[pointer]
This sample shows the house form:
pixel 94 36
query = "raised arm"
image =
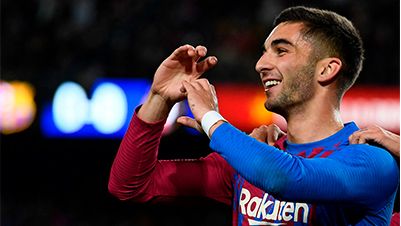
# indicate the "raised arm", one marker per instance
pixel 136 172
pixel 138 175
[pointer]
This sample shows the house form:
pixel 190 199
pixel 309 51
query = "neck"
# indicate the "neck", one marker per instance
pixel 315 121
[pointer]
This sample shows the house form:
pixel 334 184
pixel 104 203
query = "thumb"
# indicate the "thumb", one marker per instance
pixel 185 86
pixel 190 122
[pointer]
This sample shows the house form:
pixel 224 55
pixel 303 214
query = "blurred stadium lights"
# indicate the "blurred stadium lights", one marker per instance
pixel 70 107
pixel 105 114
pixel 108 112
pixel 368 105
pixel 17 106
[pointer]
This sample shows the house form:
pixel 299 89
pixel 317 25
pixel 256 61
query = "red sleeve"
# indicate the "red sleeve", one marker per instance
pixel 137 175
pixel 395 219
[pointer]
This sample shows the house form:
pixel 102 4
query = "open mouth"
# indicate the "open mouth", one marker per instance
pixel 271 83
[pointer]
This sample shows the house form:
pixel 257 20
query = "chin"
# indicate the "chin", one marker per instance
pixel 269 106
pixel 274 108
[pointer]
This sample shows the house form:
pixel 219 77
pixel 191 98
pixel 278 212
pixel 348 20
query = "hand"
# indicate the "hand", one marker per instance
pixel 202 98
pixel 387 139
pixel 267 134
pixel 181 65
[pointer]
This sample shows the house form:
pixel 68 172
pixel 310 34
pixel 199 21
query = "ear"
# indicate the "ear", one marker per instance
pixel 328 69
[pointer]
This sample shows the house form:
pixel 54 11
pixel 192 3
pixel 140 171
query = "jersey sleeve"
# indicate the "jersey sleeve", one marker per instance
pixel 359 174
pixel 138 175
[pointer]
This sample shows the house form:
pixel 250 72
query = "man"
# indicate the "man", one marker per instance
pixel 311 58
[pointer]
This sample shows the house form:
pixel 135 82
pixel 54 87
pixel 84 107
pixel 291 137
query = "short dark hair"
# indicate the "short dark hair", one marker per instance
pixel 336 35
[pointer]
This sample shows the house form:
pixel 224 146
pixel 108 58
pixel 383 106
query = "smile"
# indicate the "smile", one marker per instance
pixel 269 84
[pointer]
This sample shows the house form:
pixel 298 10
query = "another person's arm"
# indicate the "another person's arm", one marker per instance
pixel 377 134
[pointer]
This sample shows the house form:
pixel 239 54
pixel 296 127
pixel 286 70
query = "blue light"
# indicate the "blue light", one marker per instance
pixel 70 107
pixel 105 115
pixel 108 108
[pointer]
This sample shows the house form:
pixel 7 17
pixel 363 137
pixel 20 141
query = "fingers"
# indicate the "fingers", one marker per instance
pixel 187 86
pixel 273 133
pixel 190 57
pixel 364 136
pixel 183 51
pixel 354 138
pixel 259 133
pixel 362 140
pixel 197 84
pixel 190 51
pixel 267 134
pixel 190 122
pixel 200 51
pixel 206 64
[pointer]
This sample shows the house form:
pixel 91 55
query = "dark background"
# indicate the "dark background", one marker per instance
pixel 46 42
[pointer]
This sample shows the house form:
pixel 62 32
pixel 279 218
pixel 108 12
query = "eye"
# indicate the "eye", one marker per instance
pixel 281 51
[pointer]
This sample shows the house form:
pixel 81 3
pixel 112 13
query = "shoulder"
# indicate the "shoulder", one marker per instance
pixel 367 151
pixel 376 166
pixel 368 159
pixel 366 154
pixel 372 159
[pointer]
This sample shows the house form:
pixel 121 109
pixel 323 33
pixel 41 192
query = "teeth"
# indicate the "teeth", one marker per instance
pixel 272 83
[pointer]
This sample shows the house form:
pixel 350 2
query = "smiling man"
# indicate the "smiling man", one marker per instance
pixel 312 176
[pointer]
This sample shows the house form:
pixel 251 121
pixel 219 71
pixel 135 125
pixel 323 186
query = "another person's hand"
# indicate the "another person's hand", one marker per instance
pixel 376 134
pixel 267 134
pixel 182 65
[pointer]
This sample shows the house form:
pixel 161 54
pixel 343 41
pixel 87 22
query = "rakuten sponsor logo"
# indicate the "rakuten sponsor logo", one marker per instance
pixel 256 207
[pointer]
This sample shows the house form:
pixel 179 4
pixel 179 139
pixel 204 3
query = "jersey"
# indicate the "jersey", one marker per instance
pixel 328 182
pixel 138 175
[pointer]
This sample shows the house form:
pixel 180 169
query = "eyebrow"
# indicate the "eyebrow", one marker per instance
pixel 281 41
pixel 277 42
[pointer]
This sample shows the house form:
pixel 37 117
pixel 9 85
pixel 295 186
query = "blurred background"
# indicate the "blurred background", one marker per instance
pixel 72 71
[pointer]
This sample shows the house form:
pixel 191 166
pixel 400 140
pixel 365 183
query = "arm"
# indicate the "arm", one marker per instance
pixel 347 176
pixel 166 90
pixel 376 134
pixel 136 173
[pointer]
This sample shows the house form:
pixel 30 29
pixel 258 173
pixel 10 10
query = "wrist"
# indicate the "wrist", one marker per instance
pixel 155 108
pixel 210 121
pixel 215 126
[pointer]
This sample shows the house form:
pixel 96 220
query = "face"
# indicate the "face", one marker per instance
pixel 286 72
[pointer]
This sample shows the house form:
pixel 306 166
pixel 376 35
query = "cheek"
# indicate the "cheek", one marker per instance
pixel 289 64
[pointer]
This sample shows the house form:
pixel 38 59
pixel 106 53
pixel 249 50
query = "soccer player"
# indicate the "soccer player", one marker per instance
pixel 311 58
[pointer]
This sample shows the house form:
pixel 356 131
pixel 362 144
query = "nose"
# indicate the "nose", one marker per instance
pixel 264 63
